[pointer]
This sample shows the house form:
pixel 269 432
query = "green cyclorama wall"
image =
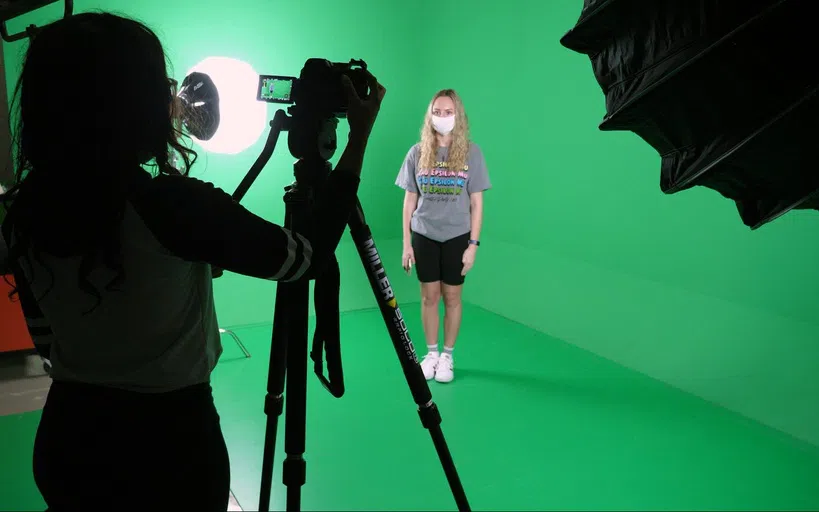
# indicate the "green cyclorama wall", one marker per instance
pixel 580 243
pixel 277 38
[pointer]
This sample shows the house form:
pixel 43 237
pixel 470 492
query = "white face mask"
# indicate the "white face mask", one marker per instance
pixel 443 125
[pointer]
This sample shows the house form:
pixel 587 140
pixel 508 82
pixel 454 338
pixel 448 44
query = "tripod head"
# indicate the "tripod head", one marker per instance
pixel 313 141
pixel 318 91
pixel 318 100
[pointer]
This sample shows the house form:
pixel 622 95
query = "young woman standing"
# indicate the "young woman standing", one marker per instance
pixel 444 177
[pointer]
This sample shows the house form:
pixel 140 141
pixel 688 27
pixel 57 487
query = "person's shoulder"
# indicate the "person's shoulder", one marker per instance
pixel 413 153
pixel 175 191
pixel 179 182
pixel 475 150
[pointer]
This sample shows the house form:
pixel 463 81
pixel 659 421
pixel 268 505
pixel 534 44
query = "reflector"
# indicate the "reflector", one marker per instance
pixel 200 105
pixel 724 90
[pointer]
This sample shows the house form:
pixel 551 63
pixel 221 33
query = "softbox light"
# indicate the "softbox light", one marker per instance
pixel 724 90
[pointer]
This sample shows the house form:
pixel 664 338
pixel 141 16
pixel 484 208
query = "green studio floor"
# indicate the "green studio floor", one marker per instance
pixel 533 424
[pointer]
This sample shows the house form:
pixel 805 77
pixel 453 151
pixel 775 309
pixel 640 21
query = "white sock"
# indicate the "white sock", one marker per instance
pixel 432 349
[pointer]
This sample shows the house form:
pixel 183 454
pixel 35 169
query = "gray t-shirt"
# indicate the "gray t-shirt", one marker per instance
pixel 443 210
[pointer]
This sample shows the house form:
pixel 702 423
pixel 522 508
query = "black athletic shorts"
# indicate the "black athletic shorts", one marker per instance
pixel 439 261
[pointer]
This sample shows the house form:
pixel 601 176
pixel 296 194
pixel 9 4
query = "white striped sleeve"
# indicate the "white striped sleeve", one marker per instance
pixel 297 260
pixel 40 330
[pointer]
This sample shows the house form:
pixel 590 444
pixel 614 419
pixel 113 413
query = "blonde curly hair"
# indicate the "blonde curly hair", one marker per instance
pixel 459 149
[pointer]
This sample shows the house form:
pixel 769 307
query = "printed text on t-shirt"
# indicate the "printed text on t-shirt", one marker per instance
pixel 440 183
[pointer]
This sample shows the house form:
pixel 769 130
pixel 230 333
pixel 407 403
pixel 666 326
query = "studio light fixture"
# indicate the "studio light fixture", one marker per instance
pixel 726 91
pixel 199 99
pixel 219 105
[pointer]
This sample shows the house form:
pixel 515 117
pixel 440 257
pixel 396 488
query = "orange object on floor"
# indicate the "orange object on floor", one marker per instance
pixel 13 332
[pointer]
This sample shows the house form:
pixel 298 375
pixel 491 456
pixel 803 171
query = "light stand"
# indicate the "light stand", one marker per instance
pixel 312 140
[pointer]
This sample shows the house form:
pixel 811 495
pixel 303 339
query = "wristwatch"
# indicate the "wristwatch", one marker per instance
pixel 474 242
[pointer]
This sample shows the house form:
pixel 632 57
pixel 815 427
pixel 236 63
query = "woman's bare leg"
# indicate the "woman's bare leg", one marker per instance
pixel 454 313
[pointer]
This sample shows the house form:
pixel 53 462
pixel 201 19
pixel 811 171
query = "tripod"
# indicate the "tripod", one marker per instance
pixel 313 141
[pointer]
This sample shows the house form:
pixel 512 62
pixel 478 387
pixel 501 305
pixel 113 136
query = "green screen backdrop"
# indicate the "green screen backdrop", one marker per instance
pixel 578 240
pixel 581 244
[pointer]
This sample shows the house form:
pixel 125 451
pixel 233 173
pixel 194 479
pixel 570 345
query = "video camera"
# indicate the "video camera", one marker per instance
pixel 319 89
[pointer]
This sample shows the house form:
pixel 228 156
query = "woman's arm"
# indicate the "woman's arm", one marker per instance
pixel 476 212
pixel 410 204
pixel 196 221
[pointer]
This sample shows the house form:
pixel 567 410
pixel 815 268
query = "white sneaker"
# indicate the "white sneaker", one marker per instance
pixel 444 373
pixel 429 364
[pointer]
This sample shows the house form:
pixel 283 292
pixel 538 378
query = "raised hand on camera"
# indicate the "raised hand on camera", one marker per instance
pixel 362 112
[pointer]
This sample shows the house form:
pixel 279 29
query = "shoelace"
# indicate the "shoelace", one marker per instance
pixel 446 360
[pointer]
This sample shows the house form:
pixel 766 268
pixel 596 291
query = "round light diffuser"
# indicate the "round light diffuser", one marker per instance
pixel 226 104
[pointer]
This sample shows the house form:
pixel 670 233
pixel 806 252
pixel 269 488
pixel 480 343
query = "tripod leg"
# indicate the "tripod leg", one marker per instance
pixel 274 399
pixel 294 472
pixel 428 411
pixel 288 360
